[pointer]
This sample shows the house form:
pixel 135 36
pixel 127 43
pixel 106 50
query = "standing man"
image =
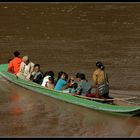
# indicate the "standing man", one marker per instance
pixel 14 64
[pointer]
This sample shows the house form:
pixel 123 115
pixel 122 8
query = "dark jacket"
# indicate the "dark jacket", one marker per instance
pixel 37 77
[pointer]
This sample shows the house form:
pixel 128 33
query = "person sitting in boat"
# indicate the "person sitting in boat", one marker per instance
pixel 26 68
pixel 14 64
pixel 46 77
pixel 77 76
pixel 84 86
pixel 50 83
pixel 71 85
pixel 70 82
pixel 62 82
pixel 100 80
pixel 58 77
pixel 36 75
pixel 74 84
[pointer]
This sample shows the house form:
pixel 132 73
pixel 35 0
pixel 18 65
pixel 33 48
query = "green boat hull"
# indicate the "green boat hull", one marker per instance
pixel 115 109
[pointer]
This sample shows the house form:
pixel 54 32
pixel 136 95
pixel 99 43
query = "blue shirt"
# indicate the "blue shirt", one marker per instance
pixel 60 84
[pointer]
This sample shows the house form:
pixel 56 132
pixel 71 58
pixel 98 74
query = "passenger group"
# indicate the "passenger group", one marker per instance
pixel 75 85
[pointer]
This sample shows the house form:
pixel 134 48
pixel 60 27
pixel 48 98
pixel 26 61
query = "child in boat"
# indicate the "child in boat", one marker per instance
pixel 46 77
pixel 61 83
pixel 50 83
pixel 70 87
pixel 14 64
pixel 84 86
pixel 36 75
pixel 73 83
pixel 73 88
pixel 70 82
pixel 26 68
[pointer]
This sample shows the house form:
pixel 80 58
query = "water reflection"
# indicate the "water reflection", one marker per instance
pixel 15 108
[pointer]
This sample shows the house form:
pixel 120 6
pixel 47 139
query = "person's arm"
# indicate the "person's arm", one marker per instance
pixel 64 87
pixel 77 93
pixel 22 67
pixel 107 78
pixel 31 68
pixel 10 67
pixel 32 76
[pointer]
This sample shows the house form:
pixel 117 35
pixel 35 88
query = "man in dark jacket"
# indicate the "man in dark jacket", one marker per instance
pixel 36 75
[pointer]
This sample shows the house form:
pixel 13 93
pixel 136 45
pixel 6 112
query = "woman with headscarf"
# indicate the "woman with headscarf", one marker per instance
pixel 100 80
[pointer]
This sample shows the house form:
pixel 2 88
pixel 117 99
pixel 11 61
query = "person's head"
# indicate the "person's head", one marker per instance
pixel 45 73
pixel 63 76
pixel 82 76
pixel 77 76
pixel 51 80
pixel 59 74
pixel 36 67
pixel 100 65
pixel 25 59
pixel 16 53
pixel 71 79
pixel 51 73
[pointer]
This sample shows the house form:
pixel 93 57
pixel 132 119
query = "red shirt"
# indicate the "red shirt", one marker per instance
pixel 14 65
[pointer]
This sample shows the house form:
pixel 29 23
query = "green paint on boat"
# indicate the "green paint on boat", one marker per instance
pixel 120 110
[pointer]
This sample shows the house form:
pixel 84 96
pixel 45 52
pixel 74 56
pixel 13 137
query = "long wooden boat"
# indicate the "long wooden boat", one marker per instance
pixel 130 110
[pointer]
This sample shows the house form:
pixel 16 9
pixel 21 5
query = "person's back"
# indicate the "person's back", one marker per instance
pixel 60 84
pixel 83 85
pixel 98 76
pixel 26 68
pixel 14 64
pixel 59 76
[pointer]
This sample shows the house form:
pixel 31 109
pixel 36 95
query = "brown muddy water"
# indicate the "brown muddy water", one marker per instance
pixel 69 37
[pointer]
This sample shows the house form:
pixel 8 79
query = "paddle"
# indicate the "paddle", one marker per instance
pixel 100 99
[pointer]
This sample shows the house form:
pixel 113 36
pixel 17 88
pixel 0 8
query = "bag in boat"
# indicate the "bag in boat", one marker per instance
pixel 103 89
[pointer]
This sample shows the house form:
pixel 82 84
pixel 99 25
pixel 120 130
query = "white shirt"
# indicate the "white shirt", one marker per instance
pixel 26 70
pixel 46 79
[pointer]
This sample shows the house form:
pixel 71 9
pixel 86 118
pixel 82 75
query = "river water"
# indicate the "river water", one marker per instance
pixel 69 37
